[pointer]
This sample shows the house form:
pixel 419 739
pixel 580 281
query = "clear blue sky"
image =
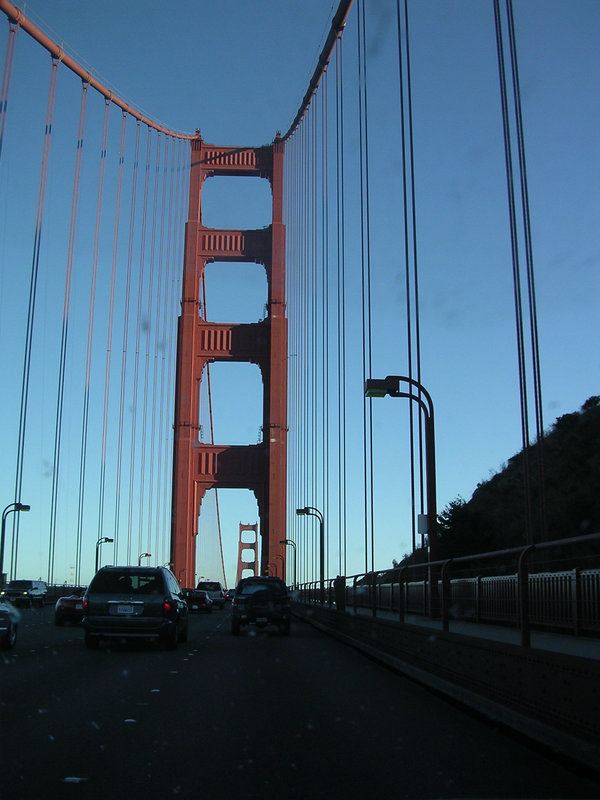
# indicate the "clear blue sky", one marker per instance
pixel 238 71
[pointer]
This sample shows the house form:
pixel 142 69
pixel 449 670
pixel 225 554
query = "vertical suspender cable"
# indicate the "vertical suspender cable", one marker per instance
pixel 341 294
pixel 126 303
pixel 149 321
pixel 306 338
pixel 111 312
pixel 410 249
pixel 35 262
pixel 318 433
pixel 406 260
pixel 138 333
pixel 325 309
pixel 8 60
pixel 295 298
pixel 90 337
pixel 516 274
pixel 365 282
pixel 65 334
pixel 157 344
pixel 168 302
pixel 537 380
pixel 305 294
pixel 413 206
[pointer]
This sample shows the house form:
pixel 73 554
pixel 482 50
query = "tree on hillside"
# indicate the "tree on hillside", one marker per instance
pixel 494 517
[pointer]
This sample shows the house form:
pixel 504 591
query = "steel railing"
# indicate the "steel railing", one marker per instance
pixel 565 600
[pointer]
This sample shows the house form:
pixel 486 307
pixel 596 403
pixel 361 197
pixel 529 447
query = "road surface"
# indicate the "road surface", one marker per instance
pixel 244 717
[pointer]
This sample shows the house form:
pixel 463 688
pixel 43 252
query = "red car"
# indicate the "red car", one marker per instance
pixel 68 609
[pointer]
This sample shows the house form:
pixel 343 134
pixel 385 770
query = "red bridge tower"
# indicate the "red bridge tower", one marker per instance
pixel 198 467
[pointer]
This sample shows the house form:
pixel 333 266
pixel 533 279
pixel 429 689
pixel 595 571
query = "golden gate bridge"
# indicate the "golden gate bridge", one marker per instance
pixel 92 357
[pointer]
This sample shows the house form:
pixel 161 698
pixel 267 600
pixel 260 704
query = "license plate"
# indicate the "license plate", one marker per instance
pixel 261 619
pixel 124 609
pixel 194 607
pixel 79 606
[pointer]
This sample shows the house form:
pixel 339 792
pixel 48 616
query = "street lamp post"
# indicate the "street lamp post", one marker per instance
pixel 391 386
pixel 100 541
pixel 292 544
pixel 314 512
pixel 9 508
pixel 143 555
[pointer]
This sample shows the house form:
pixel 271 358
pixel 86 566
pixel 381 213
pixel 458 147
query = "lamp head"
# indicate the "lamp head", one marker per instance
pixel 375 387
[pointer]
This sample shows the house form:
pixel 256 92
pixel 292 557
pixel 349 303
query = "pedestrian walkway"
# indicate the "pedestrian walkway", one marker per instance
pixel 583 646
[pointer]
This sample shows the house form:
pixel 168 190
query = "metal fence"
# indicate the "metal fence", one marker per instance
pixel 565 600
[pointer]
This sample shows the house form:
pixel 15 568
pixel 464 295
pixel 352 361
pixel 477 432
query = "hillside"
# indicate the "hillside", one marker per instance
pixel 494 517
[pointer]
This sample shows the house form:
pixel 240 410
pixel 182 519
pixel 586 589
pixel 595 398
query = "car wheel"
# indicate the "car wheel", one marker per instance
pixel 169 639
pixel 10 637
pixel 183 636
pixel 235 627
pixel 91 642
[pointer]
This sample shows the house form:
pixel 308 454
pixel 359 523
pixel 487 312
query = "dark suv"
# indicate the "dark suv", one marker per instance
pixel 262 601
pixel 133 603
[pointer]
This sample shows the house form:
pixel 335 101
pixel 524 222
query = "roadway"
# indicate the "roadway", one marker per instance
pixel 246 717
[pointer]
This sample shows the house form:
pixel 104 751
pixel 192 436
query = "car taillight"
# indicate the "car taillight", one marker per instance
pixel 86 605
pixel 168 606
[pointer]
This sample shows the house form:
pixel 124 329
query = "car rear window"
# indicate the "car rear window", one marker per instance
pixel 261 586
pixel 127 583
pixel 210 586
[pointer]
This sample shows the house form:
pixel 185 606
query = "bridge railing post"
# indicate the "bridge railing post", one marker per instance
pixel 373 586
pixel 523 596
pixel 445 594
pixel 401 595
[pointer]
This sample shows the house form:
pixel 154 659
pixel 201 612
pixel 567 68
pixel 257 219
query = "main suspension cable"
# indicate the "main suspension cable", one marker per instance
pixel 8 60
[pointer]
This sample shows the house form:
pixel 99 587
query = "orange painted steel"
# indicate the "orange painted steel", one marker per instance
pixel 337 28
pixel 198 467
pixel 15 15
pixel 247 546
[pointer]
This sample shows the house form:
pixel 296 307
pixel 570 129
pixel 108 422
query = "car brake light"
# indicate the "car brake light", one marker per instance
pixel 168 606
pixel 86 605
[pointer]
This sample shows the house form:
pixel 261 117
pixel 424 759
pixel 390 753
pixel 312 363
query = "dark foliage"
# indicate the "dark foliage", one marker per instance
pixel 495 516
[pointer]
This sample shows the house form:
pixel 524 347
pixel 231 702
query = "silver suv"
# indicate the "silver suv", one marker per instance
pixel 215 592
